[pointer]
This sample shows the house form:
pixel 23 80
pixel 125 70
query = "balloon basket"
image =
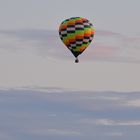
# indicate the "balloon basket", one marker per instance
pixel 76 60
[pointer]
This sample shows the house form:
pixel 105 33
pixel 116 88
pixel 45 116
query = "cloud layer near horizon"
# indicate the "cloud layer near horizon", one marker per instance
pixel 57 113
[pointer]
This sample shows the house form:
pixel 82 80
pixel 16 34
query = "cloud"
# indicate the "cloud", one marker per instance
pixel 109 33
pixel 109 122
pixel 101 97
pixel 41 89
pixel 114 134
pixel 133 103
pixel 55 132
pixel 51 112
pixel 116 47
pixel 106 46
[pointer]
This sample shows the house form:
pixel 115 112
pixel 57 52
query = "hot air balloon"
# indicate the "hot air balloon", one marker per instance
pixel 76 33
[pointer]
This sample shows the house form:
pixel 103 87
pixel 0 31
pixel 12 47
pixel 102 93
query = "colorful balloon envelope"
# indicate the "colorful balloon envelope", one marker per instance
pixel 76 33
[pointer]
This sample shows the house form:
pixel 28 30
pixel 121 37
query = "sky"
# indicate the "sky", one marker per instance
pixel 45 95
pixel 27 58
pixel 119 16
pixel 32 54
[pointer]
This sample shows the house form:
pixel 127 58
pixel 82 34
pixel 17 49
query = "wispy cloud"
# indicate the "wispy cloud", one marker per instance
pixel 117 47
pixel 133 102
pixel 106 46
pixel 114 134
pixel 110 122
pixel 55 132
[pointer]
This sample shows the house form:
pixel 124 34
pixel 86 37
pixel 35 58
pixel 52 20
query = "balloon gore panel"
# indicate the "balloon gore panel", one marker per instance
pixel 76 33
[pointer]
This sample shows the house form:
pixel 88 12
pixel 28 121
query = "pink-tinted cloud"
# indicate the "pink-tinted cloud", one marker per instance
pixel 106 45
pixel 108 33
